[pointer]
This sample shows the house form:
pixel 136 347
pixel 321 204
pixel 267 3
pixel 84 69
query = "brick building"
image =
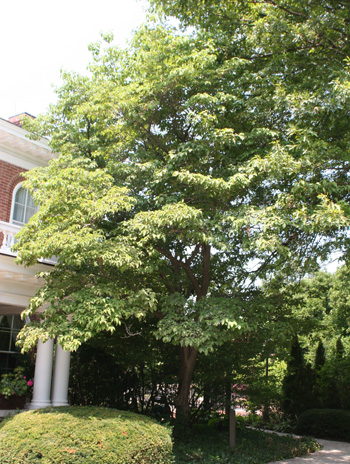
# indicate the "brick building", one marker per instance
pixel 18 284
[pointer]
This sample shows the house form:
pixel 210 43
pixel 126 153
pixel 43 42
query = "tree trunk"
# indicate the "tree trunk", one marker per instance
pixel 206 399
pixel 266 406
pixel 228 397
pixel 188 358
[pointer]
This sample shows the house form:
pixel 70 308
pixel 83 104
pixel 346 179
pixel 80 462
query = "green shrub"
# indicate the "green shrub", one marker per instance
pixel 83 435
pixel 15 383
pixel 325 423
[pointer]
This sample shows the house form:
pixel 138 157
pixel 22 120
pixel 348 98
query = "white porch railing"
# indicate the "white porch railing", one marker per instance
pixel 7 239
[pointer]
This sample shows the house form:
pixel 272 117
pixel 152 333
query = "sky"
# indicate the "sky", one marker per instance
pixel 39 38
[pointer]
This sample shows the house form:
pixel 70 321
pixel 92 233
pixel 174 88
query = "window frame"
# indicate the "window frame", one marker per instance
pixel 14 193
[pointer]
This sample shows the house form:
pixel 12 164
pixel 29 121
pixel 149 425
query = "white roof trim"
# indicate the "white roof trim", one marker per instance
pixel 16 148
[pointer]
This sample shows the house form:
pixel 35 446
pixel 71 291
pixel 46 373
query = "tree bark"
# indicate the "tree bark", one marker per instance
pixel 188 358
pixel 228 399
pixel 266 405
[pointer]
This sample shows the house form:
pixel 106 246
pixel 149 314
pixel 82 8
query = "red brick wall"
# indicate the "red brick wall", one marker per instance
pixel 10 176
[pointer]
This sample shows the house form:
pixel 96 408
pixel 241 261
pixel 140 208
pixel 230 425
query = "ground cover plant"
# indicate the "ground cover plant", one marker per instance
pixel 83 435
pixel 209 446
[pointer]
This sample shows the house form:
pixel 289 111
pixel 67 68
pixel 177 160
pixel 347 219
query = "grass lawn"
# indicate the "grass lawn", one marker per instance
pixel 209 446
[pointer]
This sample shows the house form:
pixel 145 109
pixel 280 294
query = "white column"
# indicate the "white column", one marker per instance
pixel 61 377
pixel 42 376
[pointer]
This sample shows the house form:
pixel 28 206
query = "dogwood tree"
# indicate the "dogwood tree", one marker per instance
pixel 186 172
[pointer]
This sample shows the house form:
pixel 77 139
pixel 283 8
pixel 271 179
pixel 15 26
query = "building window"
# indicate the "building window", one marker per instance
pixel 10 354
pixel 23 206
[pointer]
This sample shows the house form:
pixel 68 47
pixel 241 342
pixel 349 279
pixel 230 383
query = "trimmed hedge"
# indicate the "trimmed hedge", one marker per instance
pixel 325 423
pixel 83 435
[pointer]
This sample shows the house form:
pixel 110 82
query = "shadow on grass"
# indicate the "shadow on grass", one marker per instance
pixel 209 446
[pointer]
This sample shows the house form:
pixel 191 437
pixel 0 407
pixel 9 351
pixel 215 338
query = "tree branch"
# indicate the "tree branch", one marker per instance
pixel 128 331
pixel 287 10
pixel 168 286
pixel 194 254
pixel 206 268
pixel 185 266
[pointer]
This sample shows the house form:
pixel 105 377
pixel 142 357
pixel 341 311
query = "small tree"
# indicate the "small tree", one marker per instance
pixel 339 349
pixel 298 383
pixel 320 357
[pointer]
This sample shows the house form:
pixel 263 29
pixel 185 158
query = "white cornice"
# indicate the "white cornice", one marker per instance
pixel 16 148
pixel 17 283
pixel 7 264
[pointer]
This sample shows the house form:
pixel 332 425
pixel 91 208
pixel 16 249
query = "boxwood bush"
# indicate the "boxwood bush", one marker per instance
pixel 325 423
pixel 83 435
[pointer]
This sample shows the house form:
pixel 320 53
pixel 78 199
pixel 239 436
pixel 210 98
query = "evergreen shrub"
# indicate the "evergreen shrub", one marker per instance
pixel 325 423
pixel 298 384
pixel 333 384
pixel 83 435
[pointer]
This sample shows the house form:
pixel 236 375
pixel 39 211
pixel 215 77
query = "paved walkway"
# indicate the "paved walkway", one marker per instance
pixel 333 452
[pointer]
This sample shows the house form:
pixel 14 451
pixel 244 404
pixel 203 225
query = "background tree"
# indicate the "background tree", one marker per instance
pixel 322 306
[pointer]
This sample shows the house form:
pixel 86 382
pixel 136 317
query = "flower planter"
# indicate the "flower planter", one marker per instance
pixel 13 402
